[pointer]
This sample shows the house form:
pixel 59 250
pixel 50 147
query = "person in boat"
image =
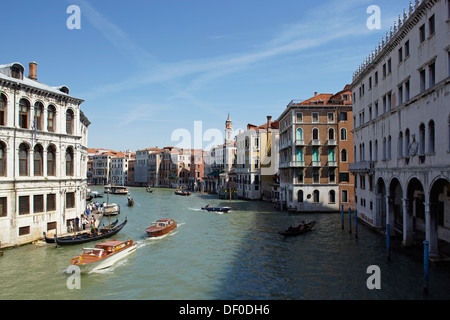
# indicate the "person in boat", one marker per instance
pixel 208 206
pixel 302 226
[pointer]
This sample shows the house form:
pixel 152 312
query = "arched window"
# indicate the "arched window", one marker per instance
pixel 422 139
pixel 407 142
pixel 331 134
pixel 344 155
pixel 384 149
pixel 315 134
pixel 51 161
pixel 51 112
pixel 344 134
pixel 400 145
pixel 69 162
pixel 23 160
pixel 69 121
pixel 376 151
pixel 389 148
pixel 299 134
pixel 38 159
pixel 299 155
pixel 2 159
pixel 370 151
pixel 431 137
pixel 332 196
pixel 3 104
pixel 316 196
pixel 331 155
pixel 24 109
pixel 300 196
pixel 38 109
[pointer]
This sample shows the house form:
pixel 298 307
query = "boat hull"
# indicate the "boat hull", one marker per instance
pixel 224 210
pixel 107 262
pixel 158 232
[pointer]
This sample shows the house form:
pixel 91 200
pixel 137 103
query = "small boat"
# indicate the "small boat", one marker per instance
pixel 130 202
pixel 161 227
pixel 182 193
pixel 209 208
pixel 103 233
pixel 96 194
pixel 119 190
pixel 149 190
pixel 111 209
pixel 104 255
pixel 295 231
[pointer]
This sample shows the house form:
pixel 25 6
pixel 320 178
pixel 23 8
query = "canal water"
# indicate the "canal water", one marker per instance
pixel 233 256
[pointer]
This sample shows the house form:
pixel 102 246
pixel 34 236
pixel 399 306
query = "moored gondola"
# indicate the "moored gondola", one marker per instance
pixel 103 233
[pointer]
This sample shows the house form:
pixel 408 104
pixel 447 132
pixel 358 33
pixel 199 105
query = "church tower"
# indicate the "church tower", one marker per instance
pixel 228 131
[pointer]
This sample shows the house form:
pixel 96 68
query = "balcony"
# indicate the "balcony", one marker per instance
pixel 332 163
pixel 315 142
pixel 362 167
pixel 297 164
pixel 316 164
pixel 285 145
pixel 299 143
pixel 332 142
pixel 292 164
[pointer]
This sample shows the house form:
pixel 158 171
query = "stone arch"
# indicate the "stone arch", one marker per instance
pixel 396 195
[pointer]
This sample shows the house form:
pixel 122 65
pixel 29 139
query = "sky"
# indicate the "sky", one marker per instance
pixel 168 72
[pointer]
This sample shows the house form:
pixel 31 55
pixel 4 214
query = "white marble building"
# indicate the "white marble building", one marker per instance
pixel 401 108
pixel 43 156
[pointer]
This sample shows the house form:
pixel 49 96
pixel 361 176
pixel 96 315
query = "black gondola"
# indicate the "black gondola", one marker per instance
pixel 87 237
pixel 69 237
pixel 301 229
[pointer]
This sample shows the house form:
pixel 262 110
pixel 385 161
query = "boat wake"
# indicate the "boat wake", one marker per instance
pixel 195 209
pixel 112 268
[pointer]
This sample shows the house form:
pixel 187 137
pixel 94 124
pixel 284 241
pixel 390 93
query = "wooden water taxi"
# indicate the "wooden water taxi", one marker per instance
pixel 161 227
pixel 103 255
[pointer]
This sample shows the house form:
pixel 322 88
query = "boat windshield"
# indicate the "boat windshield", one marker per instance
pixel 94 252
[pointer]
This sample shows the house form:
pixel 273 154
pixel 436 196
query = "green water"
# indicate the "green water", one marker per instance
pixel 237 255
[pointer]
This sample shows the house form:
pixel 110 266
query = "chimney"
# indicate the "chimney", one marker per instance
pixel 315 94
pixel 33 71
pixel 269 122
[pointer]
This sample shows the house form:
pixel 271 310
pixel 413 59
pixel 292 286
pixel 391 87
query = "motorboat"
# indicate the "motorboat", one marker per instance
pixel 161 227
pixel 103 255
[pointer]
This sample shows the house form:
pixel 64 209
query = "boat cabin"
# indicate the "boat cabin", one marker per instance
pixel 112 246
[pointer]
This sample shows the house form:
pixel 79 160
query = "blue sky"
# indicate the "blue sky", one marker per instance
pixel 148 68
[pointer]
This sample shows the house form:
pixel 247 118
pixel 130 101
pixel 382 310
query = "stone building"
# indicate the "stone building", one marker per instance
pixel 402 127
pixel 257 160
pixel 315 151
pixel 43 156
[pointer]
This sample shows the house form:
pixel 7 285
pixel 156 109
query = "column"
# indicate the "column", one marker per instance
pixel 431 228
pixel 390 213
pixel 408 231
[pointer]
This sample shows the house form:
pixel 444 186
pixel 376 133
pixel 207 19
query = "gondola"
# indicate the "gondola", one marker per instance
pixel 100 234
pixel 80 234
pixel 301 229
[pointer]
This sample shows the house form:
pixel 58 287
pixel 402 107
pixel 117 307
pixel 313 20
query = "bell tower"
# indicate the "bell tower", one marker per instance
pixel 228 131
